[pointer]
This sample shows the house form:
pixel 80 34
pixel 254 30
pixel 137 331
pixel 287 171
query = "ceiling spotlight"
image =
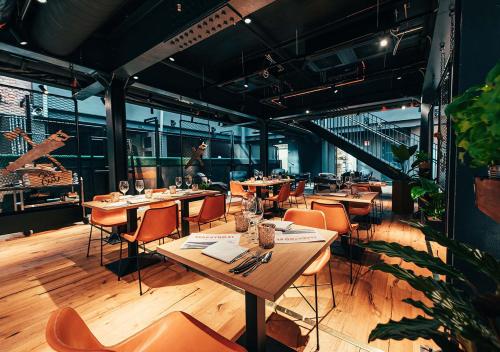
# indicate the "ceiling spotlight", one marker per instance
pixel 247 20
pixel 384 42
pixel 18 37
pixel 399 77
pixel 42 1
pixel 171 59
pixel 403 107
pixel 307 111
pixel 336 91
pixel 245 85
pixel 136 77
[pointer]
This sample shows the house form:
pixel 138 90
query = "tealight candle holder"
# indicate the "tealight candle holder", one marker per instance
pixel 266 235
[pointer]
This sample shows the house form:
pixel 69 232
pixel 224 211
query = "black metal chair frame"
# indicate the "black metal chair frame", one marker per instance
pixel 101 239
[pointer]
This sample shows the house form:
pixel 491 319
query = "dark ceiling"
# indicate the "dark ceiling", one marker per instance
pixel 295 55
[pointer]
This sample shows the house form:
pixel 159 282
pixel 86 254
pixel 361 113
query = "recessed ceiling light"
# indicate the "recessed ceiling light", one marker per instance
pixel 171 59
pixel 42 1
pixel 336 91
pixel 247 20
pixel 135 77
pixel 23 42
pixel 399 77
pixel 307 111
pixel 245 85
pixel 384 42
pixel 403 107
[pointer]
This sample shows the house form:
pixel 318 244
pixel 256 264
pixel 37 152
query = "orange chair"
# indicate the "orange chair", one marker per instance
pixel 108 218
pixel 360 209
pixel 337 220
pixel 213 208
pixel 377 187
pixel 236 190
pixel 299 192
pixel 282 196
pixel 263 190
pixel 156 224
pixel 313 218
pixel 176 332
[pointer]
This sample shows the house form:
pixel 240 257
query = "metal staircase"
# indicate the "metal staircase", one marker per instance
pixel 366 137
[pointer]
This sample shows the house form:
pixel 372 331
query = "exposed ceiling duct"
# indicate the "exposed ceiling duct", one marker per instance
pixel 61 26
pixel 216 21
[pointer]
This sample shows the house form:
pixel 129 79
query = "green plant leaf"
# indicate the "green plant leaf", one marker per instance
pixel 411 329
pixel 419 305
pixel 417 192
pixel 481 260
pixel 419 258
pixel 493 74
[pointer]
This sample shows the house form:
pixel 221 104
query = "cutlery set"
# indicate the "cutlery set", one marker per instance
pixel 253 262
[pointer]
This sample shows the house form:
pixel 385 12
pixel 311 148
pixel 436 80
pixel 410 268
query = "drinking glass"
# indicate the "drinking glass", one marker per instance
pixel 178 181
pixel 172 189
pixel 139 185
pixel 189 181
pixel 256 212
pixel 148 193
pixel 195 187
pixel 123 187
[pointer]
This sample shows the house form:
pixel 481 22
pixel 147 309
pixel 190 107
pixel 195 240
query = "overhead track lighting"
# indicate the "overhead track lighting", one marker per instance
pixel 136 77
pixel 384 42
pixel 171 59
pixel 247 20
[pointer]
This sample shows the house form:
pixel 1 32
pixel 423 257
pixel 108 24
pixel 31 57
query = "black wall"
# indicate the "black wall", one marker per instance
pixel 478 51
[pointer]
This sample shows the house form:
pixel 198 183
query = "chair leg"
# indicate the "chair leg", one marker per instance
pixel 225 219
pixel 199 227
pixel 350 252
pixel 316 308
pixel 305 201
pixel 120 262
pixel 229 207
pixel 331 283
pixel 101 246
pixel 90 238
pixel 139 272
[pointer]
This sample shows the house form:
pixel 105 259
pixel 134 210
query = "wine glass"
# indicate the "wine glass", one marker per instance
pixel 189 181
pixel 139 185
pixel 256 212
pixel 178 181
pixel 123 187
pixel 338 182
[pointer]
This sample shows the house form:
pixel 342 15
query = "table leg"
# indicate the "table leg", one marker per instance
pixel 184 214
pixel 255 311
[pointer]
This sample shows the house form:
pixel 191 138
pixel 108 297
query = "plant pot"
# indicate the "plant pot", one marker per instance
pixel 436 224
pixel 402 203
pixel 487 195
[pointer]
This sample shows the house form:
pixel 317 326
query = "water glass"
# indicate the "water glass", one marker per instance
pixel 195 187
pixel 148 193
pixel 172 189
pixel 115 197
pixel 178 181
pixel 241 222
pixel 189 181
pixel 123 187
pixel 266 235
pixel 139 186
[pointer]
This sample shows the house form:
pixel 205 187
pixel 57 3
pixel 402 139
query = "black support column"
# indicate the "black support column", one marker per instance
pixel 264 146
pixel 116 132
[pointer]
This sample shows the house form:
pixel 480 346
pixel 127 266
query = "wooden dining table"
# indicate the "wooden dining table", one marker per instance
pixel 259 184
pixel 129 264
pixel 360 198
pixel 268 282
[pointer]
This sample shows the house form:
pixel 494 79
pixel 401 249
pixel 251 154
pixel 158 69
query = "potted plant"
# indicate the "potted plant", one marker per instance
pixel 431 200
pixel 476 120
pixel 457 315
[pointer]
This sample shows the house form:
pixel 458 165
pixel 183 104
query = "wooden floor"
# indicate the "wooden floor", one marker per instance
pixel 50 270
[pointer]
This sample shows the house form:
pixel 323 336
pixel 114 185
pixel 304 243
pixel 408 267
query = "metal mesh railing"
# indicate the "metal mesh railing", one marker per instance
pixel 370 133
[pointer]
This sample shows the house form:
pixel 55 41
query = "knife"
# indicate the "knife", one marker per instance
pixel 264 259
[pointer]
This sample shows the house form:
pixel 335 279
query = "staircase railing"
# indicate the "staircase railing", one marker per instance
pixel 371 133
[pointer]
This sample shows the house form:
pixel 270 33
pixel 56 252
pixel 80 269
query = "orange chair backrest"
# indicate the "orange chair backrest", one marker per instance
pixel 306 217
pixel 158 223
pixel 67 332
pixel 300 189
pixel 100 215
pixel 236 188
pixel 213 208
pixel 335 215
pixel 284 192
pixel 360 188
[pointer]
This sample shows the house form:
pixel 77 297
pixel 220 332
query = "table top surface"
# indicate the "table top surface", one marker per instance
pixel 270 280
pixel 143 201
pixel 264 183
pixel 364 197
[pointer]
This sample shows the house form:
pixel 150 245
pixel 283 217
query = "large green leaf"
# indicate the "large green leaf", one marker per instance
pixel 481 261
pixel 409 254
pixel 406 328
